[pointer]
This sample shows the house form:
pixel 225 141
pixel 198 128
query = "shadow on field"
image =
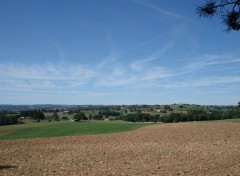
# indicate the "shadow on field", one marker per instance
pixel 7 167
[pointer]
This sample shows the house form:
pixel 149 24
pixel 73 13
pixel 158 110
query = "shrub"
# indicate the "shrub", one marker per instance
pixel 65 118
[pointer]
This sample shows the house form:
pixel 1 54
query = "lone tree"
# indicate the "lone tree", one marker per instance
pixel 228 10
pixel 80 116
pixel 55 116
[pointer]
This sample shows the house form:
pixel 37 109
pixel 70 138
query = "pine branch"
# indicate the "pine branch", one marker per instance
pixel 230 12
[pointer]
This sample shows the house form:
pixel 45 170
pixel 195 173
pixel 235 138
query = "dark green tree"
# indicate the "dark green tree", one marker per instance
pixel 97 117
pixel 90 116
pixel 35 114
pixel 228 10
pixel 55 116
pixel 80 116
pixel 8 119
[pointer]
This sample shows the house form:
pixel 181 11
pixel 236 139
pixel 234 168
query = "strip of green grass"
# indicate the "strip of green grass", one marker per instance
pixel 64 128
pixel 229 120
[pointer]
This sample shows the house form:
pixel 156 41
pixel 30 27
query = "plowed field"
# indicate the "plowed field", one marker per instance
pixel 166 149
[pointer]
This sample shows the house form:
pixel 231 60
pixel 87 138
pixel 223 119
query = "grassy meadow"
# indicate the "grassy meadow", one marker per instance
pixel 64 128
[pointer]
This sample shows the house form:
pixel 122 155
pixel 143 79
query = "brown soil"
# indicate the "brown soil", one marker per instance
pixel 169 149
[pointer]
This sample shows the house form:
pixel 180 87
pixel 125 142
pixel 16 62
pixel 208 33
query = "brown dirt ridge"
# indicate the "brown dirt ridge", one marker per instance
pixel 168 149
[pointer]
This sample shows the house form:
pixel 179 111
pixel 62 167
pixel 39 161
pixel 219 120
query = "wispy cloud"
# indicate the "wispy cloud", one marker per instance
pixel 24 84
pixel 205 61
pixel 156 73
pixel 111 80
pixel 204 82
pixel 113 73
pixel 45 75
pixel 171 39
pixel 139 64
pixel 162 11
pixel 216 80
pixel 66 75
pixel 47 71
pixel 144 43
pixel 119 75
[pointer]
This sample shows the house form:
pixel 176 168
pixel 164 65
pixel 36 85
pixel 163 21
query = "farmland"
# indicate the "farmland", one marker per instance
pixel 121 140
pixel 199 148
pixel 64 128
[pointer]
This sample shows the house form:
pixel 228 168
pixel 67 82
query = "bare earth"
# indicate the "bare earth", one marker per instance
pixel 169 149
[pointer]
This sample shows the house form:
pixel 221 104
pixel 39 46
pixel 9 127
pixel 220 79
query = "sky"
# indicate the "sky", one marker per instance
pixel 115 52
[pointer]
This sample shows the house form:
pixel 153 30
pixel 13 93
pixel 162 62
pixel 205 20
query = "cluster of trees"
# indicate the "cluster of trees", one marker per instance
pixel 194 115
pixel 55 116
pixel 109 113
pixel 167 107
pixel 140 117
pixel 97 117
pixel 80 116
pixel 34 114
pixel 200 115
pixel 8 119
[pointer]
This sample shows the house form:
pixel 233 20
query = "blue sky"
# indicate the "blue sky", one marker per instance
pixel 115 52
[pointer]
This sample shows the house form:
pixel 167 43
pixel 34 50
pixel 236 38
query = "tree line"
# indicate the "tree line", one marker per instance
pixel 200 115
pixel 140 117
pixel 34 114
pixel 194 115
pixel 109 113
pixel 8 119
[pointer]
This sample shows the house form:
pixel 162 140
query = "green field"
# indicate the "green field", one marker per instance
pixel 64 128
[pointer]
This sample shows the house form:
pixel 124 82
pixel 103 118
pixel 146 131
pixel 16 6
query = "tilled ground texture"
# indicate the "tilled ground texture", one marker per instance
pixel 166 149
